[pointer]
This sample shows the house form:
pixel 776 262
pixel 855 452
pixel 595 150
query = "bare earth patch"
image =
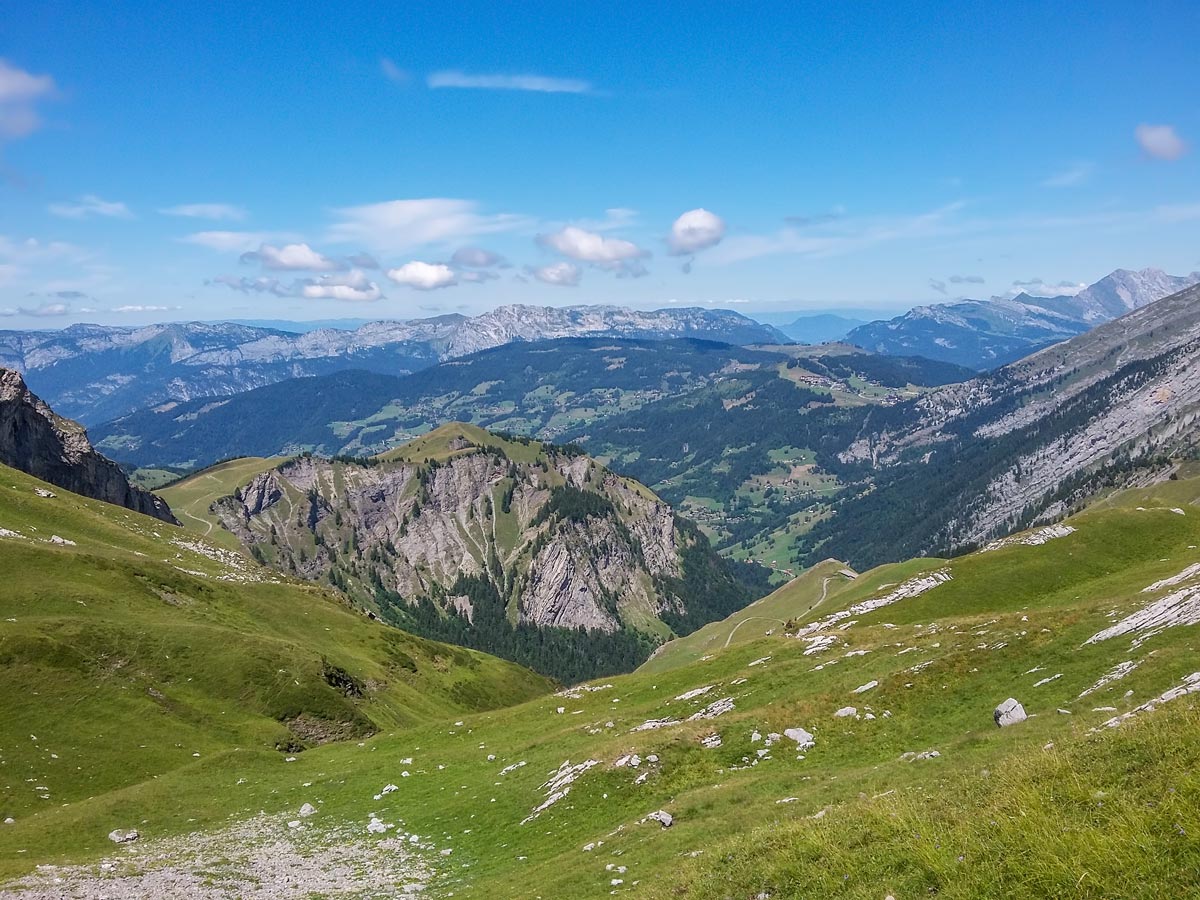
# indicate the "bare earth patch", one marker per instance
pixel 259 858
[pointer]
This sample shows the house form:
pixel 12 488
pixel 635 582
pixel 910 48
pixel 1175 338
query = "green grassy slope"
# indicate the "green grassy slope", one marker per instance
pixel 1043 808
pixel 191 498
pixel 795 600
pixel 137 646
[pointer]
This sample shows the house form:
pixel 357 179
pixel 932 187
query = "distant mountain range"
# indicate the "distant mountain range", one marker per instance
pixel 985 334
pixel 542 388
pixel 94 373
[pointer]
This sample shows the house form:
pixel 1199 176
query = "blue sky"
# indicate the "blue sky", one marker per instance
pixel 312 161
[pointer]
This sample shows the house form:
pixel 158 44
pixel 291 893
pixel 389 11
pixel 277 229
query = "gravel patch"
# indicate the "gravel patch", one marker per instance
pixel 257 859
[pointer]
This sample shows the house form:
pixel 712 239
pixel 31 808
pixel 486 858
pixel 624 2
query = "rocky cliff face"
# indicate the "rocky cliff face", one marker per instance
pixel 563 541
pixel 1024 442
pixel 37 441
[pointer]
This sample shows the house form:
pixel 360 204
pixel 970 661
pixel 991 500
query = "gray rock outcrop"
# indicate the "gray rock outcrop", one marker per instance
pixel 1010 712
pixel 40 443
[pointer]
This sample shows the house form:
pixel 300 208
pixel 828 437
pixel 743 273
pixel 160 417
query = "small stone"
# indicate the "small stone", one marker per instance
pixel 10 821
pixel 846 712
pixel 803 738
pixel 307 810
pixel 661 816
pixel 123 837
pixel 1064 712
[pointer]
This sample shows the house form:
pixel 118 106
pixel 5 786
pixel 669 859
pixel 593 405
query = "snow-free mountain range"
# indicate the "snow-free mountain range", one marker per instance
pixel 984 334
pixel 94 373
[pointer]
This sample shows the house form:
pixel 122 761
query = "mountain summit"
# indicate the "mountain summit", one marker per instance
pixel 984 334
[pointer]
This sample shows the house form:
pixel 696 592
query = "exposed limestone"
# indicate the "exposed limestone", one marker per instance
pixel 417 528
pixel 1010 712
pixel 803 738
pixel 45 445
pixel 1034 538
pixel 1181 607
pixel 1191 685
pixel 1116 673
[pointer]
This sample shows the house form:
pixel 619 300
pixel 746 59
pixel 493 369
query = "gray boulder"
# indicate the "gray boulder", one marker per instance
pixel 123 837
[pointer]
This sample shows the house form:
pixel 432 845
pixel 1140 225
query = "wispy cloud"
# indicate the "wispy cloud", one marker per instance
pixel 966 279
pixel 139 308
pixel 90 205
pixel 849 236
pixel 234 241
pixel 1074 175
pixel 46 310
pixel 397 226
pixel 215 211
pixel 20 91
pixel 393 72
pixel 560 274
pixel 1160 141
pixel 544 84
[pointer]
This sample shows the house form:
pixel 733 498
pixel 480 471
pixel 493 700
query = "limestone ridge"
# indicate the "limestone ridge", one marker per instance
pixel 35 440
pixel 563 541
pixel 1123 396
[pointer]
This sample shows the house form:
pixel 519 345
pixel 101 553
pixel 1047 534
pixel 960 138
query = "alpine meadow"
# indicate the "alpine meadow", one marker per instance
pixel 744 452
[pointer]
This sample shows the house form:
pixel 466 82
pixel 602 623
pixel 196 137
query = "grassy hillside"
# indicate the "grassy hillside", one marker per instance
pixel 793 601
pixel 129 648
pixel 191 498
pixel 1057 805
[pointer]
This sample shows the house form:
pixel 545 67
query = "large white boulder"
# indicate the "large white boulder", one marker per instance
pixel 1010 712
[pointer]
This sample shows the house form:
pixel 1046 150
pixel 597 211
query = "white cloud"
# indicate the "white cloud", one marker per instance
pixel 232 241
pixel 695 230
pixel 19 93
pixel 562 274
pixel 260 285
pixel 396 226
pixel 614 218
pixel 137 308
pixel 290 258
pixel 424 276
pixel 91 205
pixel 452 78
pixel 206 211
pixel 46 310
pixel 589 247
pixel 1073 176
pixel 353 286
pixel 31 250
pixel 1160 141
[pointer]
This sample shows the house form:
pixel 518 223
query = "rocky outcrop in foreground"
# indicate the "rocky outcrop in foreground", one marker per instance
pixel 45 445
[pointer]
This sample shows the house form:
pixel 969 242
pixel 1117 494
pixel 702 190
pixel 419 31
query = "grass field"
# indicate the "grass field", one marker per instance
pixel 1057 805
pixel 191 498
